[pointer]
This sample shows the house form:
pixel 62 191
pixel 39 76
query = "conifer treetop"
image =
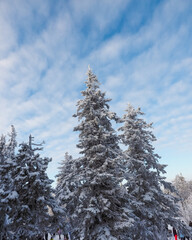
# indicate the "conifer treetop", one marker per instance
pixel 95 128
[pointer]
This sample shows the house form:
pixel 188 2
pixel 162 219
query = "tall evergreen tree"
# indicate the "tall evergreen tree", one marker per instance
pixel 154 208
pixel 3 207
pixel 12 143
pixel 185 195
pixel 100 202
pixel 64 170
pixel 7 164
pixel 33 195
pixel 65 188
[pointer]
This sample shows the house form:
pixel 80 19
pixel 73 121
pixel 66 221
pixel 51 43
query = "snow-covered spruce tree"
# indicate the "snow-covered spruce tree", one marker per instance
pixel 64 170
pixel 7 164
pixel 182 187
pixel 3 188
pixel 100 202
pixel 154 208
pixel 185 195
pixel 34 196
pixel 65 188
pixel 12 143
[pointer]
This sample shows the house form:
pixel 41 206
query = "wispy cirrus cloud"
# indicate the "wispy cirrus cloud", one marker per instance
pixel 141 53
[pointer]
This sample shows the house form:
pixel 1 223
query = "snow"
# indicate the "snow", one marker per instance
pixel 56 237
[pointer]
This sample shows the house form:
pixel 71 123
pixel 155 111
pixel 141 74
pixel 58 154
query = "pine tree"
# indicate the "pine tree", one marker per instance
pixel 100 202
pixel 7 164
pixel 64 170
pixel 65 188
pixel 12 144
pixel 3 193
pixel 154 208
pixel 184 193
pixel 182 187
pixel 34 195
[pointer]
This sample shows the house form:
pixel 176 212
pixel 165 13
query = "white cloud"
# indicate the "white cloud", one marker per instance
pixel 44 56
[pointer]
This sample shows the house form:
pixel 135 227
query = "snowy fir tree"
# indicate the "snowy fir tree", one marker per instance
pixel 100 204
pixel 7 164
pixel 184 192
pixel 182 187
pixel 65 169
pixel 12 143
pixel 65 188
pixel 3 187
pixel 153 207
pixel 33 198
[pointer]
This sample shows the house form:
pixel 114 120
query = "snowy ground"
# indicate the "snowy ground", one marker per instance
pixel 62 237
pixel 56 237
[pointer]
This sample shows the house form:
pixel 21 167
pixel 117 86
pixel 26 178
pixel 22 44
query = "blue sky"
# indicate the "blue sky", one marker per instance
pixel 141 52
